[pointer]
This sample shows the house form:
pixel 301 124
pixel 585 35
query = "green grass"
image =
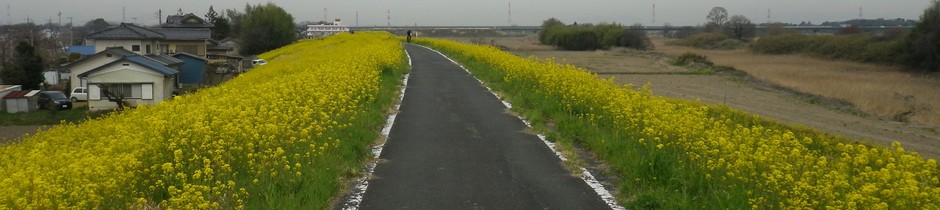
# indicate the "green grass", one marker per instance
pixel 46 117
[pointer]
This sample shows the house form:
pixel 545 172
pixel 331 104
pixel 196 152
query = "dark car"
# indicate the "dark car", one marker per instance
pixel 54 100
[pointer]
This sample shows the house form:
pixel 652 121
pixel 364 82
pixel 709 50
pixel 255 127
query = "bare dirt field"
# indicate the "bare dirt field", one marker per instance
pixel 757 93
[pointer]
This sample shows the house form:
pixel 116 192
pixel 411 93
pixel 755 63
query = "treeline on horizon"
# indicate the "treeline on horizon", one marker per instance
pixel 592 37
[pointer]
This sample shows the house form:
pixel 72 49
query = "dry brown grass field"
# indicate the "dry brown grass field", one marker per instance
pixel 884 91
pixel 877 94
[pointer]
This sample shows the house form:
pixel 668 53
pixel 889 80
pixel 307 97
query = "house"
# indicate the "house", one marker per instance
pixel 186 21
pixel 140 80
pixel 94 61
pixel 189 40
pixel 137 39
pixel 193 70
pixel 326 29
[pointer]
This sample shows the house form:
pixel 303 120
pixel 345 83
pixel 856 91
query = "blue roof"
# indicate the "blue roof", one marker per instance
pixel 81 50
pixel 148 63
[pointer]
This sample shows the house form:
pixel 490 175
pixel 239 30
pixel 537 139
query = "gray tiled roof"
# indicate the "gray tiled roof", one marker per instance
pixel 126 31
pixel 114 51
pixel 165 59
pixel 177 21
pixel 185 33
pixel 140 60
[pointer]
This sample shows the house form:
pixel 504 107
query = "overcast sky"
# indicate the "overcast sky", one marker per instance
pixel 474 12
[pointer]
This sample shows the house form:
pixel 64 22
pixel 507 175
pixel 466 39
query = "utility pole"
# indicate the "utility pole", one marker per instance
pixel 389 18
pixel 510 13
pixel 159 16
pixel 654 13
pixel 357 18
pixel 768 16
pixel 860 12
pixel 71 40
pixel 123 15
pixel 325 17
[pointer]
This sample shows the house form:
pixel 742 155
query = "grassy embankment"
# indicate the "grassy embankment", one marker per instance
pixel 676 154
pixel 283 136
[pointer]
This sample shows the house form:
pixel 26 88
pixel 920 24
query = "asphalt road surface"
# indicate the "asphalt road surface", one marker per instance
pixel 453 146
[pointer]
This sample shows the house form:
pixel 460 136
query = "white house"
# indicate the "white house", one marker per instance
pixel 326 29
pixel 139 79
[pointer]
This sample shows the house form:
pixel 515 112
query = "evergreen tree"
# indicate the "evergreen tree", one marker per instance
pixel 25 69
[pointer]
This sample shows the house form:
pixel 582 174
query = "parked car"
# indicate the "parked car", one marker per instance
pixel 54 100
pixel 258 62
pixel 79 94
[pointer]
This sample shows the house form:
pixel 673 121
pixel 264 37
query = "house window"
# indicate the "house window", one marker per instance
pixel 129 91
pixel 135 48
pixel 148 49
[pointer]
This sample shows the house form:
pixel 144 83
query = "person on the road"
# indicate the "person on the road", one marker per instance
pixel 409 36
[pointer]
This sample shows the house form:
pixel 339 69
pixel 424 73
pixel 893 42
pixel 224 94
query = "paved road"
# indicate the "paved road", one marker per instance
pixel 453 146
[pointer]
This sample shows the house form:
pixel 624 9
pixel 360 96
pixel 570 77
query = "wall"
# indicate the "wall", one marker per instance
pixel 101 45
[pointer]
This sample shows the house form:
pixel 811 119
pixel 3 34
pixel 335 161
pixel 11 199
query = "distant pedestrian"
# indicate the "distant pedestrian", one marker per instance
pixel 409 36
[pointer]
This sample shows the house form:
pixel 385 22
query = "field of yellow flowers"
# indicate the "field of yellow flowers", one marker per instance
pixel 282 136
pixel 676 154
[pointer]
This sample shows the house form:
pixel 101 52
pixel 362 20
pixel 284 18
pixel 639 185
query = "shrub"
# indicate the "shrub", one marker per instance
pixel 689 58
pixel 592 37
pixel 858 47
pixel 718 41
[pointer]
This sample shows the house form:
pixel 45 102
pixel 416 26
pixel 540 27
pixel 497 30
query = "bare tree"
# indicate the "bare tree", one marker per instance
pixel 113 97
pixel 739 27
pixel 717 19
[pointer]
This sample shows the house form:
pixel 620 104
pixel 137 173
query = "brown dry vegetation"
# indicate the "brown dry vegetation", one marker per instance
pixel 880 90
pixel 759 91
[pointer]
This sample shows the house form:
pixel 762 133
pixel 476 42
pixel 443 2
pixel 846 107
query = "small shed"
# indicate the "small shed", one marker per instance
pixel 20 101
pixel 193 69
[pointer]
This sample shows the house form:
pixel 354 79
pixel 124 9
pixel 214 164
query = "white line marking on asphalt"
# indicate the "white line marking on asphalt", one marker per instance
pixel 586 175
pixel 360 190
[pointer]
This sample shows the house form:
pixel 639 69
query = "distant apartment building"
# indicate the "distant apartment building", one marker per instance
pixel 326 29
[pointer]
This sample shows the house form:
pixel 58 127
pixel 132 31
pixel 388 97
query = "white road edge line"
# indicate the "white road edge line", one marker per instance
pixel 586 175
pixel 352 203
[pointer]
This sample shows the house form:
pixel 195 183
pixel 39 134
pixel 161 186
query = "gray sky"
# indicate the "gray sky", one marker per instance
pixel 475 12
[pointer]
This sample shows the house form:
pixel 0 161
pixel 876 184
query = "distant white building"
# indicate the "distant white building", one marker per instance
pixel 326 29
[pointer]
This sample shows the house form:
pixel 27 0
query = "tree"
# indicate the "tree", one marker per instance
pixel 235 18
pixel 96 25
pixel 741 28
pixel 549 27
pixel 716 19
pixel 222 30
pixel 26 68
pixel 211 15
pixel 221 26
pixel 923 44
pixel 265 27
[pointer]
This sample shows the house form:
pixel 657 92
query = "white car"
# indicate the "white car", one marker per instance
pixel 258 62
pixel 79 94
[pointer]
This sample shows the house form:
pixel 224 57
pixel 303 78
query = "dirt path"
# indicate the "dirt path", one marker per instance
pixel 782 105
pixel 9 133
